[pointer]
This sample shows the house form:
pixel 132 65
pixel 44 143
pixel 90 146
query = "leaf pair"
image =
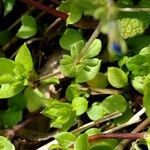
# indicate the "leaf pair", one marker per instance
pixel 87 67
pixel 14 75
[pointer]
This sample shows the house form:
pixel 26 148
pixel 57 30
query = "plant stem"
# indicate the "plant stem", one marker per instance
pixel 90 41
pixel 139 128
pixel 94 123
pixel 45 8
pixel 134 9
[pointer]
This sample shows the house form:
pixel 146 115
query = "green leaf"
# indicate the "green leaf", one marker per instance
pixel 84 74
pixel 81 142
pixel 114 103
pixel 76 48
pixel 69 37
pixel 93 131
pixel 75 14
pixel 28 28
pixel 65 139
pixel 145 51
pixel 96 111
pixel 139 65
pixel 117 78
pixel 5 37
pixel 72 91
pixel 108 144
pixel 99 81
pixel 34 98
pixel 94 49
pixel 5 144
pixel 66 66
pixel 80 105
pixel 6 66
pixel 146 101
pixel 138 83
pixel 10 90
pixel 61 114
pixel 18 102
pixel 24 57
pixel 8 6
pixel 12 117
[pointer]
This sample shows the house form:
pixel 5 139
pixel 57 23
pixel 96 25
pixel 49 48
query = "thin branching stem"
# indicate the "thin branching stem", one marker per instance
pixel 84 50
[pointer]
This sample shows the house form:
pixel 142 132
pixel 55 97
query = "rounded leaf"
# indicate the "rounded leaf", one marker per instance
pixel 80 105
pixel 117 78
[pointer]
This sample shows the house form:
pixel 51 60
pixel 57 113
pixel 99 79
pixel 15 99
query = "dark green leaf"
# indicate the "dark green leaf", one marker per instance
pixel 28 28
pixel 5 36
pixel 12 117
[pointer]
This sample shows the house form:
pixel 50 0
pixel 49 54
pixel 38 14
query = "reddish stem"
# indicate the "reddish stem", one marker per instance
pixel 96 137
pixel 45 8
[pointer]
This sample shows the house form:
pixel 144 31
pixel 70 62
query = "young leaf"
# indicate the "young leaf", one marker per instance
pixel 34 98
pixel 69 37
pixel 114 103
pixel 10 90
pixel 94 49
pixel 61 114
pixel 12 117
pixel 99 81
pixel 24 57
pixel 117 78
pixel 96 111
pixel 80 105
pixel 81 142
pixel 5 144
pixel 139 65
pixel 75 13
pixel 65 139
pixel 84 74
pixel 93 131
pixel 8 6
pixel 72 91
pixel 28 28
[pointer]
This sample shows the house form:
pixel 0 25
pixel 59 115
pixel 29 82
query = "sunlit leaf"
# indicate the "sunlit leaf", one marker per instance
pixel 28 28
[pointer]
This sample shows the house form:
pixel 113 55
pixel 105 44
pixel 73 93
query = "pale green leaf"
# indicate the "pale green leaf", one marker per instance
pixel 80 105
pixel 10 90
pixel 85 73
pixel 117 78
pixel 146 99
pixel 96 111
pixel 28 28
pixel 81 142
pixel 114 103
pixel 34 98
pixel 94 49
pixel 65 139
pixel 24 57
pixel 93 131
pixel 5 144
pixel 69 37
